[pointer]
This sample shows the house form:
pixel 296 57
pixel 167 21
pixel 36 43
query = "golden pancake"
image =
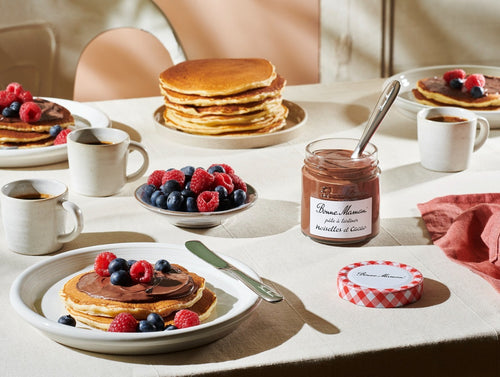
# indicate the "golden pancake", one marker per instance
pixel 218 77
pixel 84 304
pixel 253 95
pixel 29 144
pixel 436 89
pixel 432 102
pixel 203 307
pixel 13 136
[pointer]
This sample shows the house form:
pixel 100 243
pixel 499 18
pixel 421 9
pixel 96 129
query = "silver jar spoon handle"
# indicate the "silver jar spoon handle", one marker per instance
pixel 384 103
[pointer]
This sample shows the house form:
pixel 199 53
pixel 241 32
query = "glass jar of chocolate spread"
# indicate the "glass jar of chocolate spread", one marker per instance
pixel 340 194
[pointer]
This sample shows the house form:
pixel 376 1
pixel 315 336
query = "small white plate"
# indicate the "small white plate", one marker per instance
pixel 408 105
pixel 34 295
pixel 198 219
pixel 85 116
pixel 296 118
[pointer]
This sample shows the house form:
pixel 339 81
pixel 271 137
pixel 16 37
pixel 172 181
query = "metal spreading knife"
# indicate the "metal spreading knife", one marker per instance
pixel 203 252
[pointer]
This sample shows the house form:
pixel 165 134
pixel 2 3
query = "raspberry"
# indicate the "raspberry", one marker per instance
pixel 228 169
pixel 454 74
pixel 62 137
pixel 238 182
pixel 201 181
pixel 6 98
pixel 174 174
pixel 123 322
pixel 30 112
pixel 207 201
pixel 223 179
pixel 186 318
pixel 25 96
pixel 102 261
pixel 15 87
pixel 141 271
pixel 155 178
pixel 473 80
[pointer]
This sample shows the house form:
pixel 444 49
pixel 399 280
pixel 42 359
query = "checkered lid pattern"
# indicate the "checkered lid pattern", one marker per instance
pixel 375 284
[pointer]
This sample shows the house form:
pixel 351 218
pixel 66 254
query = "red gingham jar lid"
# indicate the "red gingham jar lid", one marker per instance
pixel 380 284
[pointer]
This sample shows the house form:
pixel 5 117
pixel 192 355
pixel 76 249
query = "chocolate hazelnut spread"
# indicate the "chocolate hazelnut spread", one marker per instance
pixel 340 194
pixel 164 286
pixel 50 111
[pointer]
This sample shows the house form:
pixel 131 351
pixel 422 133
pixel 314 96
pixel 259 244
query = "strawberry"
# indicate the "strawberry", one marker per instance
pixel 186 318
pixel 123 322
pixel 102 261
pixel 155 178
pixel 62 137
pixel 207 201
pixel 454 74
pixel 473 80
pixel 30 112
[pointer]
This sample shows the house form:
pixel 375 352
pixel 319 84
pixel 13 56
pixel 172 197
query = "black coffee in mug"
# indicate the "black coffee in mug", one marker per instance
pixel 448 119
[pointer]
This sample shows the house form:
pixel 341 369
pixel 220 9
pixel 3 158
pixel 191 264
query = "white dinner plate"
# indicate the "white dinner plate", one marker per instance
pixel 296 118
pixel 198 219
pixel 408 105
pixel 84 115
pixel 34 295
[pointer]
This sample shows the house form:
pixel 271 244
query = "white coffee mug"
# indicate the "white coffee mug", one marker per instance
pixel 98 159
pixel 34 215
pixel 447 137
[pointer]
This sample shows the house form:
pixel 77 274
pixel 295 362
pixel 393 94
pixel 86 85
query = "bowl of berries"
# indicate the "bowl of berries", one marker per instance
pixel 196 197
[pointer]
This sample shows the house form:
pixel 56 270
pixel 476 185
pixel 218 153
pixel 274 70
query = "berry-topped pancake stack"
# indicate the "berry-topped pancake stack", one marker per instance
pixel 27 122
pixel 457 88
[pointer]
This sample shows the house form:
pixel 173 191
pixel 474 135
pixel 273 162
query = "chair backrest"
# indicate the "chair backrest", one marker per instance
pixel 41 41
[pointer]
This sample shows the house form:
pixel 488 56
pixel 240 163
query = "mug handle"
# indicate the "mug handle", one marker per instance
pixel 135 146
pixel 77 216
pixel 484 131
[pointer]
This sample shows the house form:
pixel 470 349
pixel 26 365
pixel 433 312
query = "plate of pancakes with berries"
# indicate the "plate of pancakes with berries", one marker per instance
pixel 33 130
pixel 198 197
pixel 132 298
pixel 472 87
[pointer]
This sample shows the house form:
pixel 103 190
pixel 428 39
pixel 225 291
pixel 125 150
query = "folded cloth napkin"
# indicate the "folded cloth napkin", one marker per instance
pixel 467 229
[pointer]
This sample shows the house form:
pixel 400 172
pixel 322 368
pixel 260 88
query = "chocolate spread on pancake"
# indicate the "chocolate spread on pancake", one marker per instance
pixel 164 286
pixel 50 111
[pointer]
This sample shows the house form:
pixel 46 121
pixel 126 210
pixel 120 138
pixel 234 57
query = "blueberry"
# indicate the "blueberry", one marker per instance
pixel 120 277
pixel 130 262
pixel 16 105
pixel 175 201
pixel 457 83
pixel 187 186
pixel 156 320
pixel 188 172
pixel 54 130
pixel 161 201
pixel 170 327
pixel 224 204
pixel 67 320
pixel 191 204
pixel 188 193
pixel 145 326
pixel 117 264
pixel 222 192
pixel 477 91
pixel 162 265
pixel 170 186
pixel 216 169
pixel 238 197
pixel 147 192
pixel 8 112
pixel 155 196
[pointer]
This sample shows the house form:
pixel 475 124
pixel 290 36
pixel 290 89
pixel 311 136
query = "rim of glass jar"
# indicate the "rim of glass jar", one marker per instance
pixel 370 152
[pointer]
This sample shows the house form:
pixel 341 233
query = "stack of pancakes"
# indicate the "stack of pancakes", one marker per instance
pixel 435 91
pixel 98 312
pixel 14 133
pixel 223 97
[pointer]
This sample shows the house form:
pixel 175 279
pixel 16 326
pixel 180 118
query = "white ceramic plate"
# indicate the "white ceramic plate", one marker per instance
pixel 408 105
pixel 297 116
pixel 85 116
pixel 34 295
pixel 198 219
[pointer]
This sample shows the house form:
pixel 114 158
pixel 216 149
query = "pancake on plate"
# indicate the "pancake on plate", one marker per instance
pixel 15 133
pixel 223 97
pixel 437 91
pixel 94 301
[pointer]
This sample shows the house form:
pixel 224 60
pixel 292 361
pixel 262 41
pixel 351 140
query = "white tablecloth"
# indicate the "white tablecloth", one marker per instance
pixel 452 331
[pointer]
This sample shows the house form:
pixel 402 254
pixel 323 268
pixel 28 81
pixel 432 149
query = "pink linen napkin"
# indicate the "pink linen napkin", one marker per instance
pixel 467 229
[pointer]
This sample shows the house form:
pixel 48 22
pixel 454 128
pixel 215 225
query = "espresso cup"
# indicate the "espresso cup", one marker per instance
pixel 35 213
pixel 447 137
pixel 98 160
